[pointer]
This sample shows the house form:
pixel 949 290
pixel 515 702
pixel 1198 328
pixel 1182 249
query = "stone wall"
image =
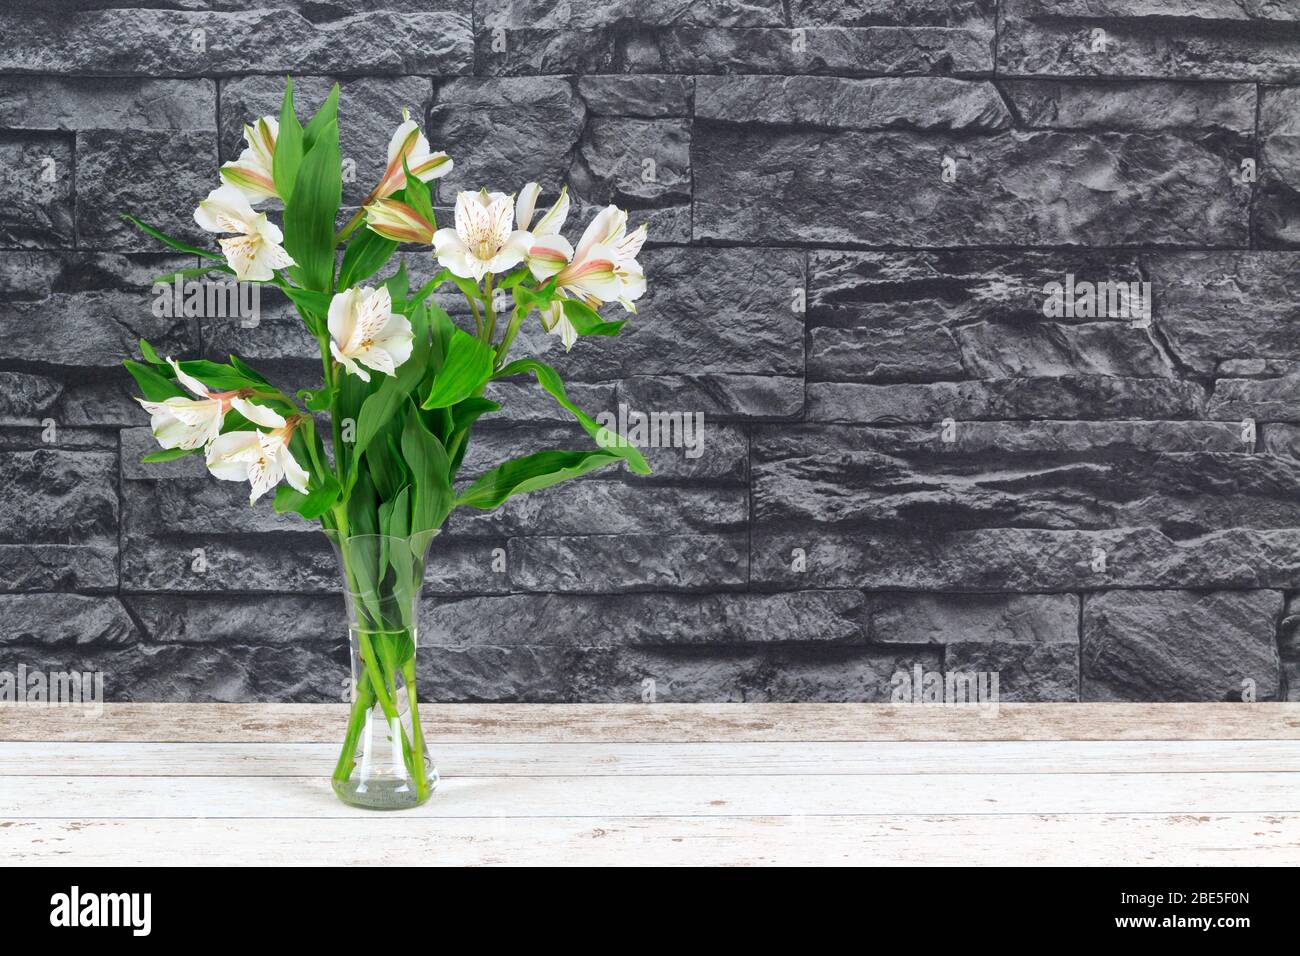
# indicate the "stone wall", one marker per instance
pixel 854 208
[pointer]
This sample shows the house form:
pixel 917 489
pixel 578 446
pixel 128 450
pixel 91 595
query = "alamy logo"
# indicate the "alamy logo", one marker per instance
pixel 54 689
pixel 209 299
pixel 946 688
pixel 1098 300
pixel 74 909
pixel 653 430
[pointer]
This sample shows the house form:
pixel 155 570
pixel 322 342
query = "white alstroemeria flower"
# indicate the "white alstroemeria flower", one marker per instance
pixel 255 251
pixel 409 143
pixel 399 222
pixel 187 422
pixel 549 251
pixel 607 236
pixel 364 330
pixel 260 458
pixel 556 322
pixel 484 240
pixel 251 172
pixel 603 268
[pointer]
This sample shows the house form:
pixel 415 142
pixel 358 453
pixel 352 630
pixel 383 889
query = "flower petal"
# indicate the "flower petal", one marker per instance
pixel 258 414
pixel 294 473
pixel 228 455
pixel 548 255
pixel 606 227
pixel 191 383
pixel 526 203
pixel 551 223
pixel 452 253
pixel 225 210
pixel 399 222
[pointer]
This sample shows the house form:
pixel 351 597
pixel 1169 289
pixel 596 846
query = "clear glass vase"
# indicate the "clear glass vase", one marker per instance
pixel 384 764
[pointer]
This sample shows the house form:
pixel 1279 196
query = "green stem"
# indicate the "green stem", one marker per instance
pixel 358 217
pixel 516 319
pixel 417 730
pixel 361 704
pixel 478 316
pixel 384 685
pixel 489 309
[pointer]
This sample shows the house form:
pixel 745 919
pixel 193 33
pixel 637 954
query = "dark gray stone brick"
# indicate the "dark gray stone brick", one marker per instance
pixel 649 619
pixel 886 188
pixel 1023 559
pixel 550 674
pixel 1214 307
pixel 1278 213
pixel 974 619
pixel 1194 39
pixel 121 170
pixel 36 190
pixel 276 36
pixel 629 562
pixel 82 310
pixel 649 97
pixel 105 103
pixel 1193 646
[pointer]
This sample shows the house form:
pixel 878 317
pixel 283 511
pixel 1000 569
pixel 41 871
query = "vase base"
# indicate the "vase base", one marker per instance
pixel 384 793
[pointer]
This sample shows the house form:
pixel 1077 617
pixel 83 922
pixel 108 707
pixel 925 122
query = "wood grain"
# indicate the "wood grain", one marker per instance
pixel 322 723
pixel 1079 839
pixel 1075 784
pixel 1005 758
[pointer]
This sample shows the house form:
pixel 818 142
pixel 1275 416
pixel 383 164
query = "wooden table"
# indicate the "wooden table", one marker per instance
pixel 665 784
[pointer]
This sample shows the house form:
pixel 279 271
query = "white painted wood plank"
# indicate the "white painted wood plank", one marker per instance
pixel 664 796
pixel 390 839
pixel 596 759
pixel 666 722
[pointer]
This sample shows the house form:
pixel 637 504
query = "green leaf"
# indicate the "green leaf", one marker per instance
pixel 520 475
pixel 551 382
pixel 385 464
pixel 318 400
pixel 467 286
pixel 363 508
pixel 221 378
pixel 512 280
pixel 149 353
pixel 365 255
pixel 430 287
pixel 313 306
pixel 464 414
pixel 169 241
pixel 312 505
pixel 407 570
pixel 395 514
pixel 288 147
pixel 587 321
pixel 156 387
pixel 398 283
pixel 248 371
pixel 427 460
pixel 319 125
pixel 169 454
pixel 309 216
pixel 466 366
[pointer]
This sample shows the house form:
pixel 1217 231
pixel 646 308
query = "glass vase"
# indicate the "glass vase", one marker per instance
pixel 384 764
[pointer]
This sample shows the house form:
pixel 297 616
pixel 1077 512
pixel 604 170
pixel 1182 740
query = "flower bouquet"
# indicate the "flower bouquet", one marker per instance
pixel 374 453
